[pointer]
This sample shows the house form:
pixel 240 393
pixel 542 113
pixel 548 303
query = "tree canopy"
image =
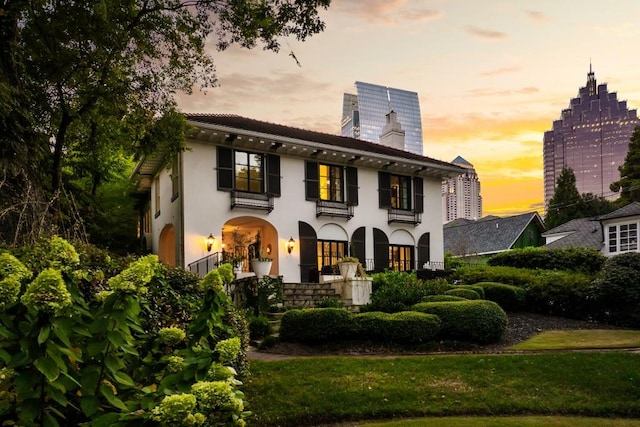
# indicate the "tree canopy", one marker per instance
pixel 567 203
pixel 83 85
pixel 629 184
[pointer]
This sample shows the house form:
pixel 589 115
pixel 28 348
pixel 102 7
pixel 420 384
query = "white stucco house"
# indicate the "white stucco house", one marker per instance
pixel 303 198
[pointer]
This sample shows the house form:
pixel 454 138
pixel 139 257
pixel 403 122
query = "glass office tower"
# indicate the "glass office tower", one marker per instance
pixel 364 114
pixel 592 138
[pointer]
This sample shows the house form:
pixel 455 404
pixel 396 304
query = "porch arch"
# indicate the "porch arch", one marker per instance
pixel 167 245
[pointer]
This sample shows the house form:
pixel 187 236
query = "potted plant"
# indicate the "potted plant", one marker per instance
pixel 261 263
pixel 349 266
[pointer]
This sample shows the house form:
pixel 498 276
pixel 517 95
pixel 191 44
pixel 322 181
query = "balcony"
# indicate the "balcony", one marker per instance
pixel 263 202
pixel 400 216
pixel 334 209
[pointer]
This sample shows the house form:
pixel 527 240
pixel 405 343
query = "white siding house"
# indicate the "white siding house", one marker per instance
pixel 260 187
pixel 620 229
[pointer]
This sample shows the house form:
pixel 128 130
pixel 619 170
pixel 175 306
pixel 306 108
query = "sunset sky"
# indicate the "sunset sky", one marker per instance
pixel 491 76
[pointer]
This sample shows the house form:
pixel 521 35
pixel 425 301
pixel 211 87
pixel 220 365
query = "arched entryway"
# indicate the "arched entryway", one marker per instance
pixel 167 245
pixel 248 237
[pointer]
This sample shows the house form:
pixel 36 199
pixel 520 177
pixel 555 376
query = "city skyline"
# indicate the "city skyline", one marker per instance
pixel 491 77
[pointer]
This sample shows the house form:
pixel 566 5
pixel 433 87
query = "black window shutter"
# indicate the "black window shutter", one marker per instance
pixel 352 186
pixel 358 245
pixel 312 180
pixel 225 169
pixel 308 252
pixel 380 250
pixel 384 189
pixel 418 194
pixel 424 249
pixel 273 174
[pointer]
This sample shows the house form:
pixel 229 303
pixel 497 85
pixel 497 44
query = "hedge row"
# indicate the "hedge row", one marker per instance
pixel 583 260
pixel 476 321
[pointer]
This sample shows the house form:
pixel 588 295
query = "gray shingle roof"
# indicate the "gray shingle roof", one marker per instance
pixel 487 235
pixel 582 232
pixel 632 209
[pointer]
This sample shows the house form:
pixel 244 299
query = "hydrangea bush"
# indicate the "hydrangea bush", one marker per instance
pixel 68 358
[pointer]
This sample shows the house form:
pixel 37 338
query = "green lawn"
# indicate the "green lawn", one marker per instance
pixel 316 390
pixel 582 339
pixel 508 422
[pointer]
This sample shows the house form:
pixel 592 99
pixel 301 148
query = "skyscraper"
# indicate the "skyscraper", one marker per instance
pixel 364 114
pixel 592 138
pixel 461 195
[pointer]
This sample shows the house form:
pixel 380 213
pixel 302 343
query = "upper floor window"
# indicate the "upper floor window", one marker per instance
pixel 623 238
pixel 331 186
pixel 400 192
pixel 331 183
pixel 249 173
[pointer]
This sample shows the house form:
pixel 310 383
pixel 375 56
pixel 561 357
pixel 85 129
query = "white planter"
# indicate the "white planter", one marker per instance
pixel 261 268
pixel 348 270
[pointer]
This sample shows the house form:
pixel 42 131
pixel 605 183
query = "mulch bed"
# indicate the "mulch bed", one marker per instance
pixel 520 327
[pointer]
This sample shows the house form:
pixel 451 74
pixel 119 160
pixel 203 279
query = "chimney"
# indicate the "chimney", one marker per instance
pixel 392 133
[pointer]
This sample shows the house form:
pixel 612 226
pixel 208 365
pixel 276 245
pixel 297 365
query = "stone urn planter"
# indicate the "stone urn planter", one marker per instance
pixel 261 267
pixel 348 269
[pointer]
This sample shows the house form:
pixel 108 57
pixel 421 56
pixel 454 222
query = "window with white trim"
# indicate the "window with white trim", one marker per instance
pixel 623 238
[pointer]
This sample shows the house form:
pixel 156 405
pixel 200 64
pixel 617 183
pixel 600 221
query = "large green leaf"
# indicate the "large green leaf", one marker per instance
pixel 109 394
pixel 123 378
pixel 44 334
pixel 48 367
pixel 89 405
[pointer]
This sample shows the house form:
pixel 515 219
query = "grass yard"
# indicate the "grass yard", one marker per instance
pixel 316 390
pixel 508 422
pixel 581 339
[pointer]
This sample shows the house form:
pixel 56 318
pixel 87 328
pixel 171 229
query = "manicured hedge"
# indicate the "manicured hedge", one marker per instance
pixel 582 260
pixel 510 298
pixel 484 273
pixel 439 298
pixel 337 324
pixel 465 293
pixel 411 327
pixel 315 324
pixel 477 321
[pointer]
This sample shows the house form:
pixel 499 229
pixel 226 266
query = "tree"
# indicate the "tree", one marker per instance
pixel 566 201
pixel 629 184
pixel 567 204
pixel 82 83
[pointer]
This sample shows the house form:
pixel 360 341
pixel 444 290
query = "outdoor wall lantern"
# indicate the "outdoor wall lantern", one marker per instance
pixel 290 244
pixel 210 240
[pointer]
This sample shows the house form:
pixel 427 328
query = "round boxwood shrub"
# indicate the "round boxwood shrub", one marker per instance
pixel 371 325
pixel 440 298
pixel 477 321
pixel 463 293
pixel 412 327
pixel 510 298
pixel 315 324
pixel 405 327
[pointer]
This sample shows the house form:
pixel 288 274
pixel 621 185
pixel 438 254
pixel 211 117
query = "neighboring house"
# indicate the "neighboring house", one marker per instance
pixel 491 235
pixel 303 198
pixel 620 229
pixel 581 232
